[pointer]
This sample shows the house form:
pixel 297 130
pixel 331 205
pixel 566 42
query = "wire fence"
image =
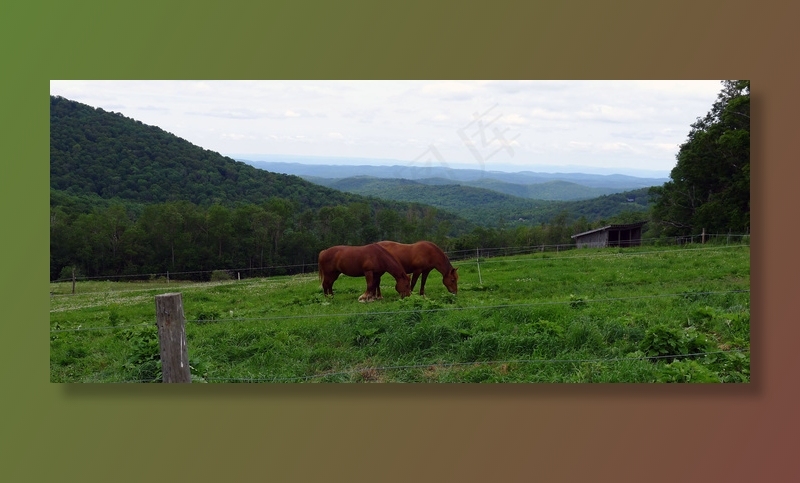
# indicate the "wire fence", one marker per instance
pixel 447 365
pixel 486 255
pixel 454 255
pixel 479 255
pixel 371 370
pixel 401 312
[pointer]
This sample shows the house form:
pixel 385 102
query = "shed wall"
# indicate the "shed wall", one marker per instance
pixel 593 240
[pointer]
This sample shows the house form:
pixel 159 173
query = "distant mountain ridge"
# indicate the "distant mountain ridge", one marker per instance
pixel 526 184
pixel 483 206
pixel 555 190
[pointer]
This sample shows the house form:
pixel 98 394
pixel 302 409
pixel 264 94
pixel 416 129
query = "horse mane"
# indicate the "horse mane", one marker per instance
pixel 392 264
pixel 445 260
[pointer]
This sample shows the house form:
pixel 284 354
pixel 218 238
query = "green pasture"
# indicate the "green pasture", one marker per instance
pixel 645 314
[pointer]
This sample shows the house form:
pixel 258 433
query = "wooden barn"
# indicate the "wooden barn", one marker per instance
pixel 628 235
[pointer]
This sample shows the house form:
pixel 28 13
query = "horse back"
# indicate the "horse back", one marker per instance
pixel 422 254
pixel 354 261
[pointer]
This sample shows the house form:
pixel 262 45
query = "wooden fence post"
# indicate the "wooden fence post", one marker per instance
pixel 172 338
pixel 478 261
pixel 73 280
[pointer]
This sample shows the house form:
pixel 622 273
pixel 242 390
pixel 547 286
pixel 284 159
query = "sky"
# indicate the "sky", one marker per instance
pixel 627 127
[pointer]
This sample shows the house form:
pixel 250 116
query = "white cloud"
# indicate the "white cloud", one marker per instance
pixel 638 123
pixel 606 113
pixel 233 136
pixel 616 147
pixel 514 119
pixel 449 90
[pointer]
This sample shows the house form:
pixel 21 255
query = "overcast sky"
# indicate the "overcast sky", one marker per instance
pixel 493 125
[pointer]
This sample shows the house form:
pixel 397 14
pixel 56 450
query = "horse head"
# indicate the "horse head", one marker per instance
pixel 403 285
pixel 450 280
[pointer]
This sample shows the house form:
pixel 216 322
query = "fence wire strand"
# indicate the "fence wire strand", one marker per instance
pixel 441 365
pixel 401 312
pixel 447 365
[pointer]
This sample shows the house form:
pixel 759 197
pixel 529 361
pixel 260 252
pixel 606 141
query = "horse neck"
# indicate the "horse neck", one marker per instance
pixel 390 264
pixel 442 263
pixel 394 268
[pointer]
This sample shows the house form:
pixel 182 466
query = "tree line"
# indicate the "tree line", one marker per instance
pixel 271 238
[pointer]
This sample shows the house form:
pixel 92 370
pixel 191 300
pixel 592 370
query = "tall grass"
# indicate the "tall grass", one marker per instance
pixel 647 314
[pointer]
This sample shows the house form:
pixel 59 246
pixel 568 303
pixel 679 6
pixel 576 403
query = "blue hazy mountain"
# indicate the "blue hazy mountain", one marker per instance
pixel 525 184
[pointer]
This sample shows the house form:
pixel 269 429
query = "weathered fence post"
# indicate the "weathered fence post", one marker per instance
pixel 478 261
pixel 703 237
pixel 172 338
pixel 73 280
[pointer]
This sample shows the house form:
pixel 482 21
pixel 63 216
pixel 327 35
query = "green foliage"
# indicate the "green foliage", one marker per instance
pixel 665 341
pixel 220 275
pixel 687 371
pixel 144 359
pixel 68 272
pixel 710 185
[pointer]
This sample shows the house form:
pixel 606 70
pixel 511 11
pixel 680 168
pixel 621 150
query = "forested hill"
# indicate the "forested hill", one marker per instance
pixel 131 199
pixel 93 151
pixel 487 207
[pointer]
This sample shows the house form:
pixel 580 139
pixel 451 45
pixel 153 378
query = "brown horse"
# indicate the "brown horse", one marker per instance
pixel 420 258
pixel 369 261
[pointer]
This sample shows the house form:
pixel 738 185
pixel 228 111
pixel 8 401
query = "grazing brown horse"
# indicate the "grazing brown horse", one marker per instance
pixel 369 261
pixel 420 258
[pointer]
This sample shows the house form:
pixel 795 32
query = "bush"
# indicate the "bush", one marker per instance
pixel 66 273
pixel 663 341
pixel 584 334
pixel 687 371
pixel 220 276
pixel 144 361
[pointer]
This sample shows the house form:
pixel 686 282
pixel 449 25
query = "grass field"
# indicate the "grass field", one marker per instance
pixel 645 314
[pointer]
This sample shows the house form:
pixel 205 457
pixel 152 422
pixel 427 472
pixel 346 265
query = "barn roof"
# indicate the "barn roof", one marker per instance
pixel 627 226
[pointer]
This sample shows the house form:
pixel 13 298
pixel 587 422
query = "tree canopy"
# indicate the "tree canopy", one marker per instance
pixel 710 184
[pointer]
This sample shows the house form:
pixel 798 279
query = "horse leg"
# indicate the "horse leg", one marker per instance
pixel 414 278
pixel 422 282
pixel 369 294
pixel 327 283
pixel 378 287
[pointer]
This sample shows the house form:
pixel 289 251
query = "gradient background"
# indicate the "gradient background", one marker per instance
pixel 52 432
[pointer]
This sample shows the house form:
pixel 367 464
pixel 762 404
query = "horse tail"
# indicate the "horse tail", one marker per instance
pixel 319 266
